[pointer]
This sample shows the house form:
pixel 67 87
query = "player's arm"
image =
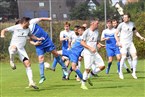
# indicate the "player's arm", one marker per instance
pixel 34 43
pixel 83 43
pixel 45 19
pixel 137 34
pixel 117 38
pixel 103 38
pixel 3 33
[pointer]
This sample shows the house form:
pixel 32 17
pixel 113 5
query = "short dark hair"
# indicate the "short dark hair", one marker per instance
pixel 24 19
pixel 115 20
pixel 109 20
pixel 67 23
pixel 128 14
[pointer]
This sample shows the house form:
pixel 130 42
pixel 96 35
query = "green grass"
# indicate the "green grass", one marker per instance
pixel 13 83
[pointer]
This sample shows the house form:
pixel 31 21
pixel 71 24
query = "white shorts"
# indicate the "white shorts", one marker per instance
pixel 95 59
pixel 22 53
pixel 128 48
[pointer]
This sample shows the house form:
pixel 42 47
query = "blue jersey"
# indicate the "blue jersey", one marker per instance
pixel 39 32
pixel 75 51
pixel 109 33
pixel 46 44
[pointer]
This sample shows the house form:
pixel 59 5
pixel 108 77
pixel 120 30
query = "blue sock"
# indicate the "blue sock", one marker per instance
pixel 108 68
pixel 59 60
pixel 54 63
pixel 41 68
pixel 118 64
pixel 78 72
pixel 71 69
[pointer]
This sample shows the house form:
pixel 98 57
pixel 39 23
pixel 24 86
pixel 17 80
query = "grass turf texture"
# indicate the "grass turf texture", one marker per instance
pixel 13 83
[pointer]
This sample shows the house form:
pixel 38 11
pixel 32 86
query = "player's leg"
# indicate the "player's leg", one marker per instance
pixel 110 55
pixel 78 67
pixel 60 61
pixel 132 51
pixel 123 51
pixel 110 59
pixel 12 51
pixel 78 72
pixel 55 61
pixel 40 53
pixel 88 61
pixel 25 59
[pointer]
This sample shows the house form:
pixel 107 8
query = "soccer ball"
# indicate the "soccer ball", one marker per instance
pixel 46 65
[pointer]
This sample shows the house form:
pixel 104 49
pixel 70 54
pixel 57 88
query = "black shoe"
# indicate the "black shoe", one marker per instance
pixel 132 69
pixel 128 71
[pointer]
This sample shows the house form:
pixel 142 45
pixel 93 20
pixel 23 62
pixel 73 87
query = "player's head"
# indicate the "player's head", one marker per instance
pixel 67 26
pixel 85 25
pixel 114 23
pixel 109 24
pixel 76 29
pixel 126 17
pixel 25 22
pixel 94 24
pixel 17 22
pixel 81 30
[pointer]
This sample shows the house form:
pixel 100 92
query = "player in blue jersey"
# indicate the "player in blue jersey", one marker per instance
pixel 64 39
pixel 44 46
pixel 111 48
pixel 74 53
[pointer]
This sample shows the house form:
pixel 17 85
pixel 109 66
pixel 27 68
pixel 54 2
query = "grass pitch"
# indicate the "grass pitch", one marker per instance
pixel 13 83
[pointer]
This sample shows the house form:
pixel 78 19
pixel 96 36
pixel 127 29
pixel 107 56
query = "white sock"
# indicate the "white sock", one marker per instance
pixel 29 74
pixel 134 63
pixel 85 77
pixel 125 66
pixel 121 64
pixel 96 70
pixel 130 62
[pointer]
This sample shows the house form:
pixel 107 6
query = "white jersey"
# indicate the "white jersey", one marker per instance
pixel 91 38
pixel 126 32
pixel 19 35
pixel 73 38
pixel 64 34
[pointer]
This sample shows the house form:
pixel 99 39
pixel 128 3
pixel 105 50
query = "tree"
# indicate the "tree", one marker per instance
pixel 80 12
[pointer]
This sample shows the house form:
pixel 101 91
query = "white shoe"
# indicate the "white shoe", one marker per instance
pixel 33 85
pixel 134 76
pixel 121 76
pixel 13 66
pixel 65 72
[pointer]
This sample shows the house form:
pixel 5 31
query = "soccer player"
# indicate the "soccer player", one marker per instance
pixel 127 29
pixel 74 53
pixel 115 25
pixel 20 32
pixel 44 46
pixel 91 56
pixel 111 48
pixel 64 38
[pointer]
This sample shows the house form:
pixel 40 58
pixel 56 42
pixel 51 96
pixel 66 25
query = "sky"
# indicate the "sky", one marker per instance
pixel 115 1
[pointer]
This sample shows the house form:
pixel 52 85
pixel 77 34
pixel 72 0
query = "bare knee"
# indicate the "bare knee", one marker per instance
pixel 41 59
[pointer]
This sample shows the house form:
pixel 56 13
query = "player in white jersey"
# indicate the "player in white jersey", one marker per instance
pixel 127 29
pixel 115 24
pixel 20 33
pixel 91 56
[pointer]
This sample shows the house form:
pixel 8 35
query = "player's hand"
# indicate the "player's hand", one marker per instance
pixel 37 43
pixel 119 44
pixel 93 50
pixel 41 38
pixel 107 38
pixel 2 36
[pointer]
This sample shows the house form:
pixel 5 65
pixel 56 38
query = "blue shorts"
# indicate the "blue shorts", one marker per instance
pixel 43 50
pixel 112 51
pixel 72 57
